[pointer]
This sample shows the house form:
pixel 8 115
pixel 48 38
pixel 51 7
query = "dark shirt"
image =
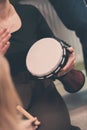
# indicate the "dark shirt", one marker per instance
pixel 34 27
pixel 41 99
pixel 73 14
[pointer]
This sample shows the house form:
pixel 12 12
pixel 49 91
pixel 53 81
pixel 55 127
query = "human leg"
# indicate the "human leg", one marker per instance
pixel 49 107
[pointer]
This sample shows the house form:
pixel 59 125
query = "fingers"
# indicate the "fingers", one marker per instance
pixel 5 48
pixel 26 114
pixel 34 121
pixel 70 63
pixel 4 40
pixel 70 49
pixel 28 124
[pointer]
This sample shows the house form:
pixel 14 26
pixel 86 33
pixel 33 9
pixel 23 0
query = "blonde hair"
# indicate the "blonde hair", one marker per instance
pixel 8 98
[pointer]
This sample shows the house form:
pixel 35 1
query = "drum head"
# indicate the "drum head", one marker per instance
pixel 44 57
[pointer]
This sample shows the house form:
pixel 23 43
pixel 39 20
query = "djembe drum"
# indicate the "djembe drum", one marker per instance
pixel 45 59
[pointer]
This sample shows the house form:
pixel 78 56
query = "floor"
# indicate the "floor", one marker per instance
pixel 77 104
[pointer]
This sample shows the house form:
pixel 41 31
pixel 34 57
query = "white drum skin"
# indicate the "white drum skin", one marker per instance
pixel 44 57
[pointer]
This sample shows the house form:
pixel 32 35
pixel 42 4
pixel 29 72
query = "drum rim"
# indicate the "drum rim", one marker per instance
pixel 57 69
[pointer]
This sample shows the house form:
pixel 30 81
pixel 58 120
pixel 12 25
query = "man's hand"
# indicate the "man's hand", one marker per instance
pixel 70 63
